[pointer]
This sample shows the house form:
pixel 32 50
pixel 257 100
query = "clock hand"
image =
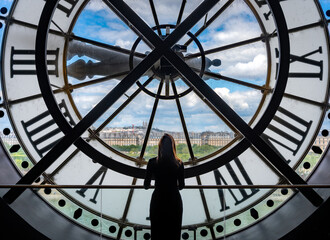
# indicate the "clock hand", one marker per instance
pixel 80 69
pixel 111 62
pixel 250 134
pixel 105 46
pixel 73 134
pixel 101 53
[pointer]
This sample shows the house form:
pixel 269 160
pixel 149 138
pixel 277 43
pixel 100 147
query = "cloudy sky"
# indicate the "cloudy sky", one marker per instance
pixel 247 63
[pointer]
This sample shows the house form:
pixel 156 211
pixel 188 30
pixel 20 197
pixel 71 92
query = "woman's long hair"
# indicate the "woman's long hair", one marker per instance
pixel 167 150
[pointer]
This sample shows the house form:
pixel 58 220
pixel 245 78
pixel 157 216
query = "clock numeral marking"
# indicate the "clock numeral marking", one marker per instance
pixel 305 60
pixel 245 193
pixel 67 6
pixel 43 131
pixel 290 122
pixel 22 62
pixel 101 171
pixel 261 3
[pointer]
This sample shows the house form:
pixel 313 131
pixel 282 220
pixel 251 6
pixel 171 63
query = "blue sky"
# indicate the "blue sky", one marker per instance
pixel 248 65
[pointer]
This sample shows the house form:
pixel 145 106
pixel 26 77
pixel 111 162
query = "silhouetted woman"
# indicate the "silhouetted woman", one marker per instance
pixel 166 202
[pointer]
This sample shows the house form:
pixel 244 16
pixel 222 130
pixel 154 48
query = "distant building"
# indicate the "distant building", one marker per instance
pixel 135 136
pixel 322 142
pixel 10 139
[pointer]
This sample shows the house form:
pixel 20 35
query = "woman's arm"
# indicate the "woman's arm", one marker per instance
pixel 147 179
pixel 181 177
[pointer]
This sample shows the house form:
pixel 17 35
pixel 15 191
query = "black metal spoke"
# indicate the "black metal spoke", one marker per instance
pixel 261 38
pixel 132 18
pixel 77 38
pixel 121 107
pixel 250 134
pixel 205 206
pixel 167 86
pixel 123 16
pixel 95 81
pixel 210 21
pixel 309 101
pixel 26 99
pixel 218 113
pixel 218 76
pixel 154 14
pixel 63 164
pixel 151 121
pixel 126 209
pixel 183 4
pixel 227 47
pixel 10 20
pixel 183 122
pixel 58 27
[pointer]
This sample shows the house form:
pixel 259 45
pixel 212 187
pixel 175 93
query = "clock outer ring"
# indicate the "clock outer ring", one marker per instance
pixel 43 79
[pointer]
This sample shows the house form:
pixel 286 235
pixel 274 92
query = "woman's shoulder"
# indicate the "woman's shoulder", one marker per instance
pixel 152 161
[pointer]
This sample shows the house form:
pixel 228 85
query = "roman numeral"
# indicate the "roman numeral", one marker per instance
pixel 261 3
pixel 306 61
pixel 43 131
pixel 101 172
pixel 22 62
pixel 289 122
pixel 67 6
pixel 243 194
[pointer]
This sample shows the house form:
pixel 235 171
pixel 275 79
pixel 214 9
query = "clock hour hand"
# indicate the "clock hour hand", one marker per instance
pixel 79 48
pixel 106 62
pixel 111 62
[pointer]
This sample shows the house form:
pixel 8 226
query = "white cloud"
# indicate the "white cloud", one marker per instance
pixel 86 103
pixel 252 69
pixel 95 5
pixel 235 30
pixel 239 101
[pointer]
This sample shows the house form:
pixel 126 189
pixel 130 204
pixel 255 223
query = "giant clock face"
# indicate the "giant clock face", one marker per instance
pixel 89 87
